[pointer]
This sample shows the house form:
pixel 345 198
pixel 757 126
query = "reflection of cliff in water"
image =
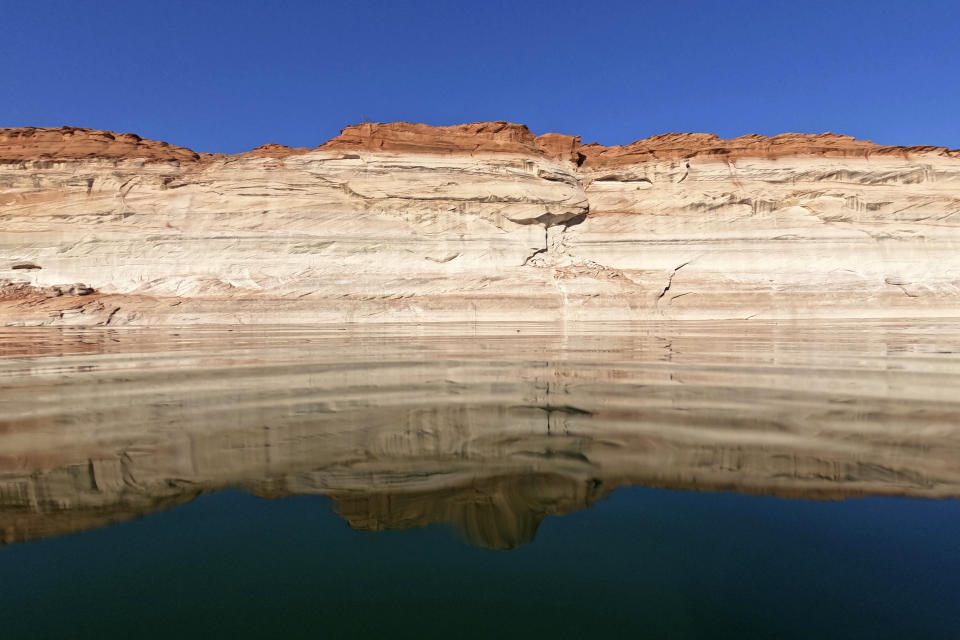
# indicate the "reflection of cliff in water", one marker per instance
pixel 489 434
pixel 495 513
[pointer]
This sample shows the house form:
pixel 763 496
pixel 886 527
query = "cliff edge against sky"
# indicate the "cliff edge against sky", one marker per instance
pixel 482 221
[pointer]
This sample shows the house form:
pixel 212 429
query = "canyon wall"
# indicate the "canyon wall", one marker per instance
pixel 414 223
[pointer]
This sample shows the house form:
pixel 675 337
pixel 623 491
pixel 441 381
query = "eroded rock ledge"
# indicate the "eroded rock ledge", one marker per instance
pixel 484 221
pixel 77 143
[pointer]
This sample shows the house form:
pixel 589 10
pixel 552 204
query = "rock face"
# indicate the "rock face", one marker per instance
pixel 483 221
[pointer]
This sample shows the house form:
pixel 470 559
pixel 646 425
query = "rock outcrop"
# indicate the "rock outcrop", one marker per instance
pixel 483 221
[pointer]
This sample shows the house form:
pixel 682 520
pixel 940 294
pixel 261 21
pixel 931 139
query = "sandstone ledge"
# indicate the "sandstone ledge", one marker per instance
pixel 76 143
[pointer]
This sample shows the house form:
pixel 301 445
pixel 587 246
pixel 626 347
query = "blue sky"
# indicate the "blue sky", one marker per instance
pixel 228 76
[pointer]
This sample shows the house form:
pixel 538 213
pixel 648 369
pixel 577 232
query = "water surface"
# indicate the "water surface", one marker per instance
pixel 686 480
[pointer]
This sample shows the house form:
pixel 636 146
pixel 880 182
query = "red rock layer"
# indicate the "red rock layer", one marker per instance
pixel 672 146
pixel 476 137
pixel 70 143
pixel 273 150
pixel 407 137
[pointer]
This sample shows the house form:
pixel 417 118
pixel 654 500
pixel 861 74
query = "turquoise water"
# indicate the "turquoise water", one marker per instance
pixel 703 482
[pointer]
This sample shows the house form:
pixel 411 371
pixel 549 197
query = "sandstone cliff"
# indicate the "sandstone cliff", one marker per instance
pixel 485 221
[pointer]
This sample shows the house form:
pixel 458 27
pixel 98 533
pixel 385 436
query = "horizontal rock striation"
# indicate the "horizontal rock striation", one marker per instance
pixel 482 221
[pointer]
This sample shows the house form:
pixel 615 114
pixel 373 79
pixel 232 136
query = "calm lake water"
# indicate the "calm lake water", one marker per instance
pixel 684 480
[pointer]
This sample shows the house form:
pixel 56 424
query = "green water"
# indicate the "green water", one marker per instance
pixel 645 562
pixel 662 482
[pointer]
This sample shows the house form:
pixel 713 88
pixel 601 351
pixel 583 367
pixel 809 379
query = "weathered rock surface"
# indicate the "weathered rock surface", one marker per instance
pixel 484 221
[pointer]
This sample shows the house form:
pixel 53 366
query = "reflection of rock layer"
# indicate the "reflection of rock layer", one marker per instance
pixel 497 513
pixel 483 221
pixel 490 434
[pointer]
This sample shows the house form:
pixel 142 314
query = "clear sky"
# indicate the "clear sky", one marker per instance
pixel 228 76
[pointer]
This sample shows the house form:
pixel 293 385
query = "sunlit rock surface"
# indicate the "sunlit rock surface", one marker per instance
pixel 489 429
pixel 411 223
